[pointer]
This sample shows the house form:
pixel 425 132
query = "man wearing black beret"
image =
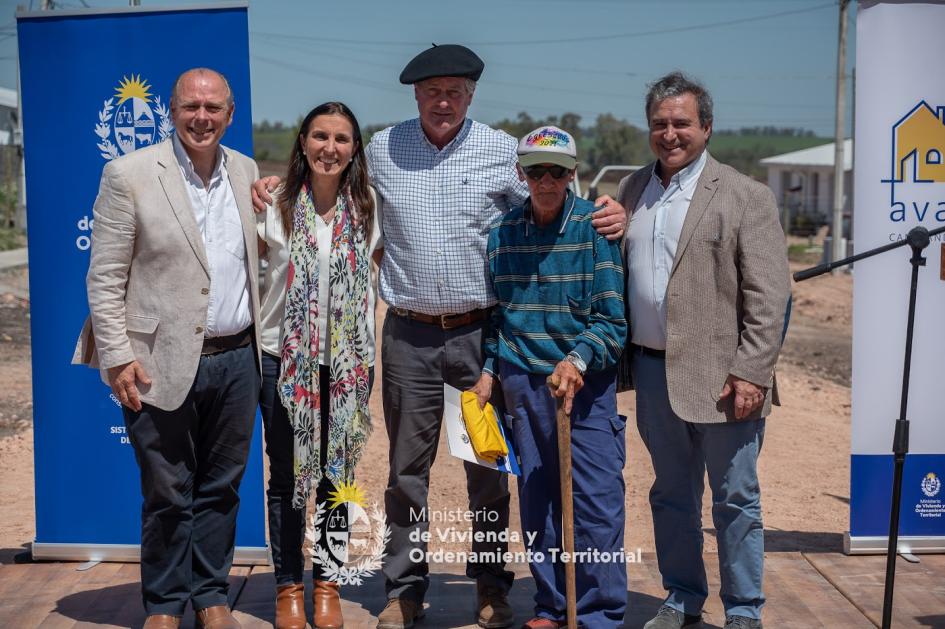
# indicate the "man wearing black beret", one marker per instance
pixel 441 179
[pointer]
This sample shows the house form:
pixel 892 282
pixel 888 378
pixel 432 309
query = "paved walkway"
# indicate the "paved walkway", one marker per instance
pixel 13 258
pixel 805 590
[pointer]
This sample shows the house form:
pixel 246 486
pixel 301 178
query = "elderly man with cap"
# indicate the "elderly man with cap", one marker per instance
pixel 560 311
pixel 442 179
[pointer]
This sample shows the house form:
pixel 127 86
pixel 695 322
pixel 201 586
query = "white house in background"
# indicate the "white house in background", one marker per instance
pixel 802 182
pixel 8 107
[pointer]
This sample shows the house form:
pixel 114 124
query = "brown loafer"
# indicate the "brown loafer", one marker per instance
pixel 290 606
pixel 217 617
pixel 161 621
pixel 494 609
pixel 400 613
pixel 326 606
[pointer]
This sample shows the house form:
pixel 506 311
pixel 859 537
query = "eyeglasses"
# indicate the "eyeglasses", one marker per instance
pixel 537 172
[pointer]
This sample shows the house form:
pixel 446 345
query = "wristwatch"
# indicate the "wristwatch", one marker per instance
pixel 575 359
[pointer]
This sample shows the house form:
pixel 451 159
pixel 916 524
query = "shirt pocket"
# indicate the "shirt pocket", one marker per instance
pixel 233 240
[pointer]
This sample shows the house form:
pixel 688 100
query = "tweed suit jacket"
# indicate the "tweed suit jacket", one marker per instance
pixel 727 293
pixel 149 279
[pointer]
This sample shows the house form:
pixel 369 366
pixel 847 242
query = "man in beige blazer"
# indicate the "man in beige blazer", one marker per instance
pixel 172 288
pixel 707 288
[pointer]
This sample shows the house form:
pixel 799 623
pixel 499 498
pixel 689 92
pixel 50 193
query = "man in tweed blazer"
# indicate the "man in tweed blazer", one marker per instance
pixel 707 287
pixel 172 288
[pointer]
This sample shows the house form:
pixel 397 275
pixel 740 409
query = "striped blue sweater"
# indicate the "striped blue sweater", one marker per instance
pixel 559 288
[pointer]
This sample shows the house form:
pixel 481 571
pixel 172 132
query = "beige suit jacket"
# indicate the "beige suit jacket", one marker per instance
pixel 149 279
pixel 727 292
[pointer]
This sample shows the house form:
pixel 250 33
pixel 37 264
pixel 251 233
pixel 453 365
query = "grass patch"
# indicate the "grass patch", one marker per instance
pixel 804 253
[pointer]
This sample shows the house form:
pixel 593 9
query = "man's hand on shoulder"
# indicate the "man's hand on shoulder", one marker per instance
pixel 261 189
pixel 748 396
pixel 610 219
pixel 123 380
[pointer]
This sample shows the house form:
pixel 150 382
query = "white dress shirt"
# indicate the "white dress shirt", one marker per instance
pixel 652 238
pixel 218 219
pixel 272 308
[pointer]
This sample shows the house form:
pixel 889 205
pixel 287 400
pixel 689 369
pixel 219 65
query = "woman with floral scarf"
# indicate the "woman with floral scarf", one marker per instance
pixel 318 346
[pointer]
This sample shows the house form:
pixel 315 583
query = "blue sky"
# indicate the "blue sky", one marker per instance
pixel 766 62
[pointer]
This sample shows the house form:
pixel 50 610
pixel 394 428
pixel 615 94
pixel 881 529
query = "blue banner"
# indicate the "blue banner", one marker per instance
pixel 923 502
pixel 96 86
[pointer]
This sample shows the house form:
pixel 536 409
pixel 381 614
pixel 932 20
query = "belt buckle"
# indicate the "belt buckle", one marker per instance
pixel 446 321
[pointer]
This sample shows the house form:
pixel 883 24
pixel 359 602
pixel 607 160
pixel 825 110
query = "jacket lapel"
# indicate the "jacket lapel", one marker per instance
pixel 240 185
pixel 173 185
pixel 705 190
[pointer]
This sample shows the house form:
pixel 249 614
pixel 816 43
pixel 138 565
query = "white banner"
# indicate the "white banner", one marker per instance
pixel 900 183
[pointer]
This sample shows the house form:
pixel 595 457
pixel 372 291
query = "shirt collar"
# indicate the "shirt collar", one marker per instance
pixel 688 175
pixel 463 132
pixel 565 216
pixel 188 165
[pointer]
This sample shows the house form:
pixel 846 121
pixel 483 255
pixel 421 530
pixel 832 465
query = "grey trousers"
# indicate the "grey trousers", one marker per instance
pixel 417 359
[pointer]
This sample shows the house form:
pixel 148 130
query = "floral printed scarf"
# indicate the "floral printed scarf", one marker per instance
pixel 349 280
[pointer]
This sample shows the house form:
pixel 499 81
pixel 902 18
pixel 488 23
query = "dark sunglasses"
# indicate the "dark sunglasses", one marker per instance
pixel 537 172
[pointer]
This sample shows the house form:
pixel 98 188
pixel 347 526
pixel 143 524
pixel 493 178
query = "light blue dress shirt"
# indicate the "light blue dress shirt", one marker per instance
pixel 437 207
pixel 652 238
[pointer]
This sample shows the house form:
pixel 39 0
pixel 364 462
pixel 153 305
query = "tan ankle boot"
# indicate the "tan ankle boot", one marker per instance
pixel 290 606
pixel 326 604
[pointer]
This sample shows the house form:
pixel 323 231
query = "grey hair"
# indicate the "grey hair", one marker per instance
pixel 470 87
pixel 175 92
pixel 676 84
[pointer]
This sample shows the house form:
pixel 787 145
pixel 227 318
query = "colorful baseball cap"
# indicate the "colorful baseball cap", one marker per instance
pixel 548 145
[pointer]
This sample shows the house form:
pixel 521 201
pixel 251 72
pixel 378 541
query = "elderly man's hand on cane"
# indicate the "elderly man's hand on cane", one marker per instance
pixel 565 382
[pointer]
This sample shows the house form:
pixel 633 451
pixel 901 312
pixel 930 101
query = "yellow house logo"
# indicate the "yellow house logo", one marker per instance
pixel 918 156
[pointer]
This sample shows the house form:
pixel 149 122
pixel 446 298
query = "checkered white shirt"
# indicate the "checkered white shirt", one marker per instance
pixel 438 206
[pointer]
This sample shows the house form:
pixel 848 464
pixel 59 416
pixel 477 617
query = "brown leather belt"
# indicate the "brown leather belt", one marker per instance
pixel 649 351
pixel 447 321
pixel 217 344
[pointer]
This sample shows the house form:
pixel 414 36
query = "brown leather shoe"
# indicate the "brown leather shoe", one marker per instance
pixel 400 613
pixel 326 606
pixel 290 606
pixel 217 617
pixel 161 621
pixel 494 609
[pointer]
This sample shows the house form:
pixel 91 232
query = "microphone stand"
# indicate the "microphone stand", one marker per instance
pixel 918 239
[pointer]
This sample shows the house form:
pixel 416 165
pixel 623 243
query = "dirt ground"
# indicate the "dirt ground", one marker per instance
pixel 804 465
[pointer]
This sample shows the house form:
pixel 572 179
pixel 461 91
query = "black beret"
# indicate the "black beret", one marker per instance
pixel 445 60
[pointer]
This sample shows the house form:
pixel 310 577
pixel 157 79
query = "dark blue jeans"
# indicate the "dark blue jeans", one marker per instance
pixel 192 461
pixel 287 524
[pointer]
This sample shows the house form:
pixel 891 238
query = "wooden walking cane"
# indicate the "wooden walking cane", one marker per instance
pixel 563 423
